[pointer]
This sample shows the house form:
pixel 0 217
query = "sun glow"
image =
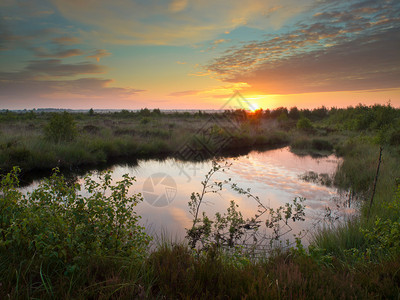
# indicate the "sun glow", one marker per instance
pixel 253 107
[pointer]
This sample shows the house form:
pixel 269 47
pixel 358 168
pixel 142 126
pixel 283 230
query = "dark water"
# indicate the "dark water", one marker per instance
pixel 273 175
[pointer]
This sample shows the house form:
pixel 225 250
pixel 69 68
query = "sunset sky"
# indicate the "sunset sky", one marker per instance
pixel 194 54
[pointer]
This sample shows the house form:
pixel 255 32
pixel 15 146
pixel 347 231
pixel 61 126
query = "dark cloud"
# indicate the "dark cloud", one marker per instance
pixel 41 89
pixel 65 40
pixel 54 67
pixel 40 52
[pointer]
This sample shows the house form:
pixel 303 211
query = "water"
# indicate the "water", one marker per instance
pixel 274 176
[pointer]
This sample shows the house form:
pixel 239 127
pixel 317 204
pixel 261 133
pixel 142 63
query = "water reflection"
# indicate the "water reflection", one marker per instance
pixel 272 175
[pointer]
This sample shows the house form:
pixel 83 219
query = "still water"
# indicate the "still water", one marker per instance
pixel 273 176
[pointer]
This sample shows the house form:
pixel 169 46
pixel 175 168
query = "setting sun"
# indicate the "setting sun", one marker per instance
pixel 254 107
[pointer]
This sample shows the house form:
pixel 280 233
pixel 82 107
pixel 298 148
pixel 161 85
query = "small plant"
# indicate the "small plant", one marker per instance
pixel 231 229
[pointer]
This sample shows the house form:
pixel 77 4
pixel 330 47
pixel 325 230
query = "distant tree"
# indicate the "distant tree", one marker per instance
pixel 277 112
pixel 91 112
pixel 294 113
pixel 283 117
pixel 267 114
pixel 157 112
pixel 145 112
pixel 319 113
pixel 61 128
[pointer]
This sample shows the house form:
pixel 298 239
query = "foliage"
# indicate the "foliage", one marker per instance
pixel 383 239
pixel 61 128
pixel 304 124
pixel 321 145
pixel 56 222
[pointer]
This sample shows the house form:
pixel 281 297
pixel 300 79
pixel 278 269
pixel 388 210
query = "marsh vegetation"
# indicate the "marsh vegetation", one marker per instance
pixel 56 243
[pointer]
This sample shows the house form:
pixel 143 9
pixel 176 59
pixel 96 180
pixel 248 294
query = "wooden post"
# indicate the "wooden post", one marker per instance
pixel 375 181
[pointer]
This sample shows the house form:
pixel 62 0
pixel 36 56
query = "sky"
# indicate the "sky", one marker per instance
pixel 195 54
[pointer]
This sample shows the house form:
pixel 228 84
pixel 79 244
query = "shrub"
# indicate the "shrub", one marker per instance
pixel 304 124
pixel 394 138
pixel 301 143
pixel 61 128
pixel 92 129
pixel 145 120
pixel 55 223
pixel 321 145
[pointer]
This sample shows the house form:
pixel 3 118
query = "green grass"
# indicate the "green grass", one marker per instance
pixel 103 138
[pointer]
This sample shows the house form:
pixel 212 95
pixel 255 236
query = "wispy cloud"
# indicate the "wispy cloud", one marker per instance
pixel 177 5
pixel 66 40
pixel 49 93
pixel 99 53
pixel 176 22
pixel 54 67
pixel 185 93
pixel 41 52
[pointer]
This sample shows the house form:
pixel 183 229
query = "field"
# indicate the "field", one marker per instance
pixel 93 247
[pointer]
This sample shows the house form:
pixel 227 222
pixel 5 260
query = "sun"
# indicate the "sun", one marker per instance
pixel 253 107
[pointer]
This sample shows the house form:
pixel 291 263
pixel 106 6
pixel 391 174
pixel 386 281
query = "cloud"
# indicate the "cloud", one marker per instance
pixel 176 22
pixel 42 93
pixel 41 52
pixel 185 93
pixel 177 5
pixel 215 92
pixel 219 41
pixel 357 65
pixel 54 67
pixel 351 49
pixel 66 40
pixel 99 53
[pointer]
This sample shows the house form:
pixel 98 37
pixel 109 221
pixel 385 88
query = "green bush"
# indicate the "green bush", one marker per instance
pixel 301 143
pixel 61 128
pixel 304 124
pixel 322 145
pixel 56 224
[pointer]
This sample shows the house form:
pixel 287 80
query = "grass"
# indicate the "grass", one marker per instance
pixel 102 138
pixel 283 276
pixel 350 259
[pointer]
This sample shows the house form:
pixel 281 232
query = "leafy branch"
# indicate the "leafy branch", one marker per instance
pixel 231 229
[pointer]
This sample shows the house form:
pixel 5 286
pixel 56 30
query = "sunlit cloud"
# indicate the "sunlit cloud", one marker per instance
pixel 185 93
pixel 214 92
pixel 99 53
pixel 175 22
pixel 177 5
pixel 320 57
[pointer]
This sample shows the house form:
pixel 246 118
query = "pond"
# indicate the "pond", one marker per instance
pixel 274 176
